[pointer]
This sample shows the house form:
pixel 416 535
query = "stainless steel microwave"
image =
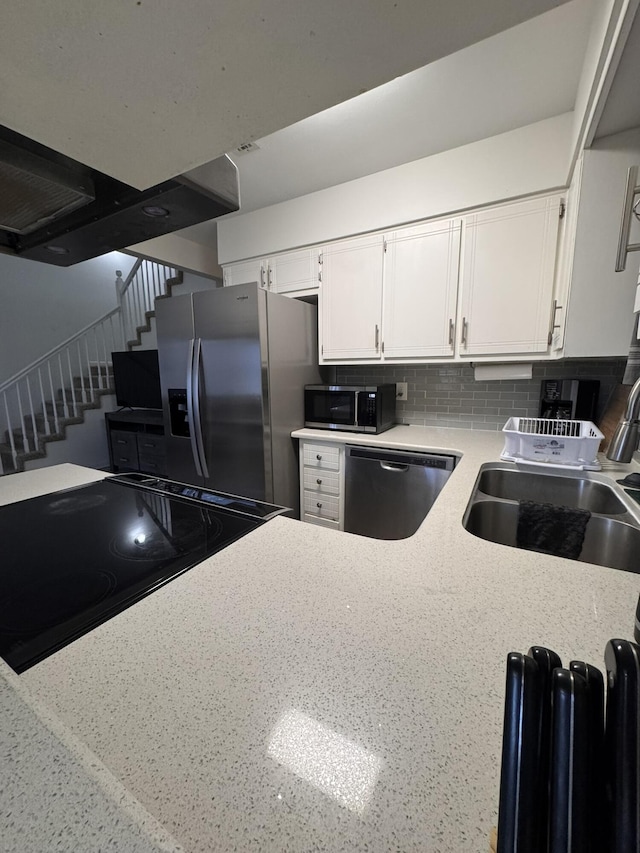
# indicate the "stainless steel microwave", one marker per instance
pixel 355 408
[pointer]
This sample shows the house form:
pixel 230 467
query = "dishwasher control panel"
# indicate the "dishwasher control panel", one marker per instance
pixel 425 460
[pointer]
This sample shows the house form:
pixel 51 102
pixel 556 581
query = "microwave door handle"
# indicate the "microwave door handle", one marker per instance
pixel 197 417
pixel 356 408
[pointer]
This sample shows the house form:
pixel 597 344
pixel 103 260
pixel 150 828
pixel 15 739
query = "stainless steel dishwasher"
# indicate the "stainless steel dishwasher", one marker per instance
pixel 389 492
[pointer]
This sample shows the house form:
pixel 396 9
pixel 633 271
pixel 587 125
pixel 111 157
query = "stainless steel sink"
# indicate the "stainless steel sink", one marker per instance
pixel 612 536
pixel 576 492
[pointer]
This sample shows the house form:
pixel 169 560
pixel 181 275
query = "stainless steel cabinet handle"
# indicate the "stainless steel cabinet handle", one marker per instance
pixel 451 332
pixel 554 325
pixel 377 336
pixel 318 456
pixel 465 329
pixel 628 209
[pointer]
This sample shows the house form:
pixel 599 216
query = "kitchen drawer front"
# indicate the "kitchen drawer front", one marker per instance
pixel 150 464
pixel 321 522
pixel 322 456
pixel 151 445
pixel 124 446
pixel 323 482
pixel 324 506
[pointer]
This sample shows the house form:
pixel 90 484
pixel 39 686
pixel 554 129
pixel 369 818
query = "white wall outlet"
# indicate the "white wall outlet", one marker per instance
pixel 401 391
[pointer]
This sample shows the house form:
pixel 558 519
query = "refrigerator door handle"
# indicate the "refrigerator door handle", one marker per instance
pixel 195 409
pixel 191 410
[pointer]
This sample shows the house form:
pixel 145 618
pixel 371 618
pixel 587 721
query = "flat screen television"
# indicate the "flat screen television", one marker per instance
pixel 136 376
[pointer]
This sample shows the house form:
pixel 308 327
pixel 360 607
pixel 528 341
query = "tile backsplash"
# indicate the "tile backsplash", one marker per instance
pixel 447 395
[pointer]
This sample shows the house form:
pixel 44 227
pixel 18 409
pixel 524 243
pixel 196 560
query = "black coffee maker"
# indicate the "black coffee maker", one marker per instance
pixel 569 399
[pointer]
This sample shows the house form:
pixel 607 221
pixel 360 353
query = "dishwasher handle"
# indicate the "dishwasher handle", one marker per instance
pixel 394 466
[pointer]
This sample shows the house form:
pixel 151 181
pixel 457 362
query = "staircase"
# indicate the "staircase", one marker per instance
pixel 38 404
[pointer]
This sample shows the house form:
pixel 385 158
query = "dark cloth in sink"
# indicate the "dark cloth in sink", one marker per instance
pixel 556 530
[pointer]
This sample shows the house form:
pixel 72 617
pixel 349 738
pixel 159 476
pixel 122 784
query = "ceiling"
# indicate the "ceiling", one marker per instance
pixel 515 78
pixel 144 90
pixel 525 74
pixel 329 91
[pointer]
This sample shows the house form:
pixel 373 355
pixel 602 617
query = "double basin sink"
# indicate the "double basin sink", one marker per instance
pixel 612 533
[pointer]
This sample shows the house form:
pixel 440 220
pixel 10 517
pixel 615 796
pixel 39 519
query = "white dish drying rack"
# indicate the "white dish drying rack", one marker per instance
pixel 552 442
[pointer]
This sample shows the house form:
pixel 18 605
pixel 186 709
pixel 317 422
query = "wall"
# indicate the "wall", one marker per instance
pixel 447 395
pixel 530 159
pixel 176 250
pixel 43 305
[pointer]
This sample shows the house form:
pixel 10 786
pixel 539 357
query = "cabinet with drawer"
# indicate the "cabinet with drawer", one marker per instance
pixel 322 483
pixel 136 441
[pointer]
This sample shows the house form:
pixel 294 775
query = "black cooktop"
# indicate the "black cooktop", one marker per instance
pixel 75 558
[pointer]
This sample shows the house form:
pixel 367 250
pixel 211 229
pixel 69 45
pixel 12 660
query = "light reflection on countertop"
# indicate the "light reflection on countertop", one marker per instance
pixel 316 753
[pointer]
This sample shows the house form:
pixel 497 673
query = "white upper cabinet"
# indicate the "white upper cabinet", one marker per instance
pixel 420 290
pixel 293 272
pixel 479 286
pixel 290 273
pixel 507 278
pixel 244 272
pixel 351 299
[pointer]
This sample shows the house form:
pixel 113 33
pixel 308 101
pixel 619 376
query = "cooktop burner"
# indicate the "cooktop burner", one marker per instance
pixel 75 558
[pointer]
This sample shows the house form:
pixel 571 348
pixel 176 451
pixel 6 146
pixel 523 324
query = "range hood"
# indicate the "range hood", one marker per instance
pixel 56 210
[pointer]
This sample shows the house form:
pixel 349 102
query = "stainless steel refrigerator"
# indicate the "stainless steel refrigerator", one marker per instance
pixel 233 365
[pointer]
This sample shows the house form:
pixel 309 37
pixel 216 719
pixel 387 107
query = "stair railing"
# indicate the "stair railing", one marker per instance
pixel 58 386
pixel 137 293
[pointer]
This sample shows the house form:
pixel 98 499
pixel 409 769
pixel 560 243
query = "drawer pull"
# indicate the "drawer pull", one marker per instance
pixel 319 482
pixel 319 456
pixel 121 441
pixel 319 505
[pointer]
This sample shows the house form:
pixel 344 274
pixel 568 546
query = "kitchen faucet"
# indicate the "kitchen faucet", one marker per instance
pixel 625 438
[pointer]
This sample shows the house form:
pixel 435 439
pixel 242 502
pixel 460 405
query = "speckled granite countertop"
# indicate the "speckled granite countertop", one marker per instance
pixel 311 690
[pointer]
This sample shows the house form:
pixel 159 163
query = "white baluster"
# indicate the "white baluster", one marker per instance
pixel 32 414
pixel 12 444
pixel 43 401
pixel 72 385
pixel 90 369
pixel 65 406
pixel 54 402
pixel 25 445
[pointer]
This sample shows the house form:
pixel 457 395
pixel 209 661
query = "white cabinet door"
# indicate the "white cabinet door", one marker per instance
pixel 245 272
pixel 420 290
pixel 507 278
pixel 294 271
pixel 351 299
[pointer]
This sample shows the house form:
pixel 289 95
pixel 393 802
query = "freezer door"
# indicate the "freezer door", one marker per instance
pixel 230 336
pixel 174 324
